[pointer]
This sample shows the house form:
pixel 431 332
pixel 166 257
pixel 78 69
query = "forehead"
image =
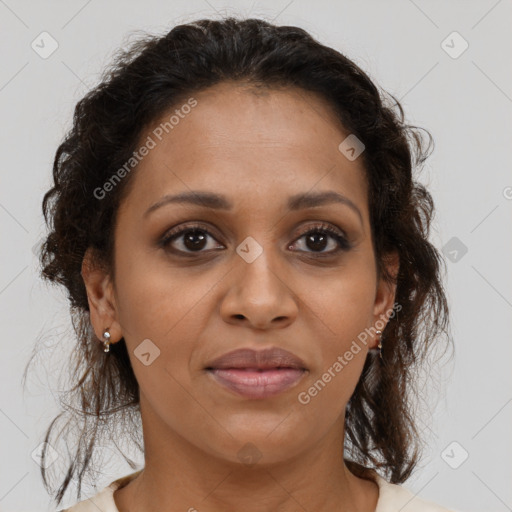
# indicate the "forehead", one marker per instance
pixel 243 140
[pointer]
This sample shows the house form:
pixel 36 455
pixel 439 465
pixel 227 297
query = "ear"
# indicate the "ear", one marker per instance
pixel 100 295
pixel 385 296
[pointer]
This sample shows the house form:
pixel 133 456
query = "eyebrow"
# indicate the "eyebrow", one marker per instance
pixel 219 202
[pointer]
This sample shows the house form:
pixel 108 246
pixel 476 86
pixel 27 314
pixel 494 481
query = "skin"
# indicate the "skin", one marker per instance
pixel 256 148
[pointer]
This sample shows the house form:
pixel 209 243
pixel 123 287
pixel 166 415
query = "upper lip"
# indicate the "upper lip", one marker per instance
pixel 258 359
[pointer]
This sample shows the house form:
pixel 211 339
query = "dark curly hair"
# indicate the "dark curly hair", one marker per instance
pixel 152 75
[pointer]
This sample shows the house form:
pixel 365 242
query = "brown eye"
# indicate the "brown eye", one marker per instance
pixel 321 237
pixel 323 240
pixel 188 239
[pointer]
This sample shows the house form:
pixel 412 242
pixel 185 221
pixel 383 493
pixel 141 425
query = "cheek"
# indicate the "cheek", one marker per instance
pixel 343 304
pixel 323 397
pixel 153 298
pixel 170 308
pixel 166 310
pixel 344 309
pixel 322 404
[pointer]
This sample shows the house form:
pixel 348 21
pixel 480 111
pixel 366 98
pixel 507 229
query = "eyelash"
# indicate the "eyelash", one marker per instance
pixel 343 243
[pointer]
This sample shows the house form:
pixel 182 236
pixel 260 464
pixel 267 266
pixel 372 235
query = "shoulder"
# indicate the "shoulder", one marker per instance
pixel 104 500
pixel 394 497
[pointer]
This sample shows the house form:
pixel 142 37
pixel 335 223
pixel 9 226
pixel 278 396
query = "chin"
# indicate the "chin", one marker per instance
pixel 268 445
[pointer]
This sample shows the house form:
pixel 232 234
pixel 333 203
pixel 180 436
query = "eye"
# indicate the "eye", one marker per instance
pixel 191 238
pixel 317 239
pixel 194 239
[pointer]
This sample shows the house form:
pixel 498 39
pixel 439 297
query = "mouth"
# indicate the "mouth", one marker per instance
pixel 257 374
pixel 254 383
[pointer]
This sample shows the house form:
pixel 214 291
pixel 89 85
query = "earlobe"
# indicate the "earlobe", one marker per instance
pixel 100 295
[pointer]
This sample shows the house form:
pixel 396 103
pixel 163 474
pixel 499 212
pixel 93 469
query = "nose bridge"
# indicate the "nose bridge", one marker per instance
pixel 257 291
pixel 258 266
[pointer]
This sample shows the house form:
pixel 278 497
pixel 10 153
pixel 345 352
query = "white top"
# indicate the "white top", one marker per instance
pixel 392 498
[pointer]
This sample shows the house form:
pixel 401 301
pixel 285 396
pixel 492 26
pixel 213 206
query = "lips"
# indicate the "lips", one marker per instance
pixel 257 359
pixel 257 374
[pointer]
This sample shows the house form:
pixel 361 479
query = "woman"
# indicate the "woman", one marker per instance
pixel 247 260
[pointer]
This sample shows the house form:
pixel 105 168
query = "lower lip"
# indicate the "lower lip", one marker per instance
pixel 257 384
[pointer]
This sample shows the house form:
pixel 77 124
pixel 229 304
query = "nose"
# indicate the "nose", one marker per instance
pixel 259 296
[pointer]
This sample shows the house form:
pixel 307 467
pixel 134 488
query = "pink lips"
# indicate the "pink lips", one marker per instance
pixel 257 374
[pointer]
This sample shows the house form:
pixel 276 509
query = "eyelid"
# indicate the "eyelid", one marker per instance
pixel 323 226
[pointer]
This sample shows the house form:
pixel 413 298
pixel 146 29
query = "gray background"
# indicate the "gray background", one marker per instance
pixel 465 102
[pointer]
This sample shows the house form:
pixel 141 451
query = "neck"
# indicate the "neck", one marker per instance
pixel 181 477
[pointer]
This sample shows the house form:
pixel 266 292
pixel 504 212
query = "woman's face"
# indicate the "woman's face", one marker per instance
pixel 250 277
